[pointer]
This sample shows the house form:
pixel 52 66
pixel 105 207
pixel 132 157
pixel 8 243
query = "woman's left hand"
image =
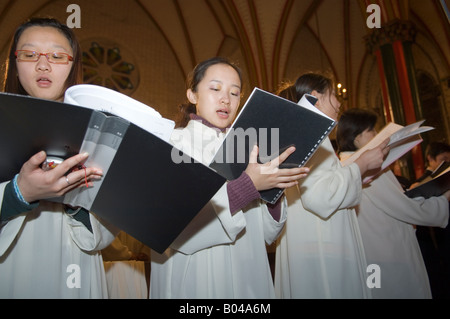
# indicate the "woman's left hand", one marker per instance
pixel 269 175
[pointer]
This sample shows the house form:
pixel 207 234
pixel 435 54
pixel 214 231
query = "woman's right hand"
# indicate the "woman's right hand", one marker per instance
pixel 269 175
pixel 373 159
pixel 35 183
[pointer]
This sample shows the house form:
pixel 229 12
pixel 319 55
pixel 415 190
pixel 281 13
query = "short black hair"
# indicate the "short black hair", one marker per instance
pixel 352 123
pixel 435 148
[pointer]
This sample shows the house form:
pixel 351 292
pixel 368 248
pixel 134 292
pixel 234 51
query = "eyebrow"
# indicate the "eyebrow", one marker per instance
pixel 218 81
pixel 56 46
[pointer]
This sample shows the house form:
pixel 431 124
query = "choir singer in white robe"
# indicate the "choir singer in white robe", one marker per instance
pixel 222 252
pixel 387 218
pixel 320 253
pixel 48 250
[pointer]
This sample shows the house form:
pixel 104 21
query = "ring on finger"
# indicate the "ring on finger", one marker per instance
pixel 67 180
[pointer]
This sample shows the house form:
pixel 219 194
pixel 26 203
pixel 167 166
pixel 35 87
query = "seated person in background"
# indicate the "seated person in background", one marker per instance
pixel 434 241
pixel 435 153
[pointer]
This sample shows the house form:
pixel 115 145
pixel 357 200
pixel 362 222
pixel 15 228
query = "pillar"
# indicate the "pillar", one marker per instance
pixel 391 45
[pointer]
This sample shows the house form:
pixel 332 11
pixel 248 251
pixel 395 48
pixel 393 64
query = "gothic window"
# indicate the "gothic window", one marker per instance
pixel 106 64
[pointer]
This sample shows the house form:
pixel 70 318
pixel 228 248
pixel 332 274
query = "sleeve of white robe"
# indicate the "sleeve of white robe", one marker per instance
pixel 9 230
pixel 100 237
pixel 273 228
pixel 329 186
pixel 388 196
pixel 214 225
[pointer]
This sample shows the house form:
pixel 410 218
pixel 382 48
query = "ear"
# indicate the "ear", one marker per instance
pixel 317 95
pixel 356 141
pixel 192 97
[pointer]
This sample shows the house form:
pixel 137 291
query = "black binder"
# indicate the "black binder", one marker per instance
pixel 437 184
pixel 275 124
pixel 144 192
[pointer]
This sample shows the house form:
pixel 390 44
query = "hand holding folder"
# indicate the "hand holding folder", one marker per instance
pixel 274 124
pixel 267 176
pixel 401 140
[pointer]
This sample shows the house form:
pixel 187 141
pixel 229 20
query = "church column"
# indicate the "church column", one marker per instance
pixel 391 44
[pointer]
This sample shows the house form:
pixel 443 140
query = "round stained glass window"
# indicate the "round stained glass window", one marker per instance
pixel 107 64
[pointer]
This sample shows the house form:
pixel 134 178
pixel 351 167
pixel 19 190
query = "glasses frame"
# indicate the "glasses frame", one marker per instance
pixel 69 57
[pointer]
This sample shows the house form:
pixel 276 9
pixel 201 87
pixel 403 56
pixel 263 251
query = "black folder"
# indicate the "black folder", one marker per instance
pixel 275 124
pixel 436 185
pixel 144 193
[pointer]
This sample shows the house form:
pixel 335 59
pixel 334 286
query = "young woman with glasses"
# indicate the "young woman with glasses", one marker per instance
pixel 48 250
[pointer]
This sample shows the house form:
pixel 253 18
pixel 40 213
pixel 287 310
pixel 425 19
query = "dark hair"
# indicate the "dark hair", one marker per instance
pixel 287 91
pixel 435 148
pixel 195 77
pixel 352 123
pixel 12 83
pixel 309 82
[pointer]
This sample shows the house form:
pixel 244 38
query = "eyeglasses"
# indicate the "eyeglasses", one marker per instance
pixel 52 57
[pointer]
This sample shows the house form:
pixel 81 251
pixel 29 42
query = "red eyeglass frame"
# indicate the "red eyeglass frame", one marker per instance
pixel 70 58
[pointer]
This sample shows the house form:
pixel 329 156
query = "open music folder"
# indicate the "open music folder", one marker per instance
pixel 401 140
pixel 143 192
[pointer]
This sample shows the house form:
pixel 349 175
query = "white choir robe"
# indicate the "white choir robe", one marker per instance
pixel 320 252
pixel 218 255
pixel 386 218
pixel 45 253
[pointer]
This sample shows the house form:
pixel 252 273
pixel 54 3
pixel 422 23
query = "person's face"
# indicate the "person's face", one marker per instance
pixel 435 162
pixel 364 138
pixel 328 103
pixel 218 95
pixel 42 79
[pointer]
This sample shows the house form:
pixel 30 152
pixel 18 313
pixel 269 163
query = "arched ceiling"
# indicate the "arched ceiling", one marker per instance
pixel 273 40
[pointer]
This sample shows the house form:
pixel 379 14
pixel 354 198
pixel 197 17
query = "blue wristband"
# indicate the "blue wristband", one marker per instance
pixel 17 190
